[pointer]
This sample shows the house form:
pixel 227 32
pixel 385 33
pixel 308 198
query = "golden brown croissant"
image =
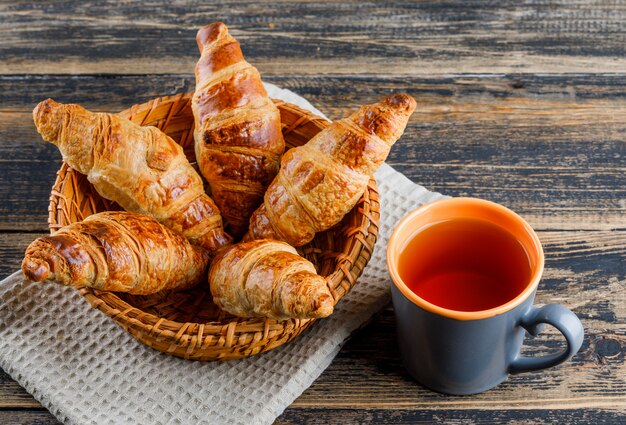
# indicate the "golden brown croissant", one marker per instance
pixel 267 278
pixel 116 251
pixel 238 136
pixel 321 181
pixel 140 168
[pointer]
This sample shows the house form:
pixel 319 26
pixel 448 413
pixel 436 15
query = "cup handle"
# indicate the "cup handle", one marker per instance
pixel 562 319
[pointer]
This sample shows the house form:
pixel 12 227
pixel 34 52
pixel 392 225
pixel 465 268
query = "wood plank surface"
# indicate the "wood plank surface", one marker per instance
pixel 321 416
pixel 312 38
pixel 454 417
pixel 27 417
pixel 551 148
pixel 523 103
pixel 584 271
pixel 13 396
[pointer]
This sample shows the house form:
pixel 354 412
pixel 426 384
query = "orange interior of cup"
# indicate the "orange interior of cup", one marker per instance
pixel 454 208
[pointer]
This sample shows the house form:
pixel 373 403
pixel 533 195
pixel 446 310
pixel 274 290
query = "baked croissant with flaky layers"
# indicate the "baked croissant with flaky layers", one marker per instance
pixel 321 181
pixel 140 168
pixel 116 251
pixel 267 278
pixel 237 134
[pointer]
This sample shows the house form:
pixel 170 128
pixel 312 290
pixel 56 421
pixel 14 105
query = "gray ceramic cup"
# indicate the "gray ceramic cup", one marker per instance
pixel 467 352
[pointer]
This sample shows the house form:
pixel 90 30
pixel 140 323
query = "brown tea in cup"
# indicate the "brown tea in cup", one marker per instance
pixel 464 276
pixel 465 264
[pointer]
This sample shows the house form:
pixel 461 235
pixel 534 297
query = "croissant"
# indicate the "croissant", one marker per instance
pixel 266 278
pixel 140 168
pixel 237 134
pixel 321 181
pixel 116 251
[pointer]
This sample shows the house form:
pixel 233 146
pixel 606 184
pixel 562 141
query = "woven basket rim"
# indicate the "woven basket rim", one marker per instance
pixel 94 294
pixel 358 246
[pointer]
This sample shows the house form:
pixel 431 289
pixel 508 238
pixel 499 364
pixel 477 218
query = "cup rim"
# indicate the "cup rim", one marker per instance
pixel 456 314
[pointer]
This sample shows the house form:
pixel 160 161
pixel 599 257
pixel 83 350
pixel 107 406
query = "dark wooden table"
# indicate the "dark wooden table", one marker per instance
pixel 522 103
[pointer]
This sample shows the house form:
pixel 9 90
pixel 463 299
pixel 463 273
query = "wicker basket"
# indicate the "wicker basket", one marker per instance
pixel 187 324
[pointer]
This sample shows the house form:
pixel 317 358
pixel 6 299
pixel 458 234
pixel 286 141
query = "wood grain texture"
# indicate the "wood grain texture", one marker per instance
pixel 371 376
pixel 584 271
pixel 322 416
pixel 13 396
pixel 331 37
pixel 12 248
pixel 551 148
pixel 27 417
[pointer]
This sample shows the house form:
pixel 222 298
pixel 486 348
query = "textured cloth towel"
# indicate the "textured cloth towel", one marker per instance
pixel 86 370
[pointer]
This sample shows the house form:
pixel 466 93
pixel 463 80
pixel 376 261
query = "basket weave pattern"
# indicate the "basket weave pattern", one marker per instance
pixel 188 324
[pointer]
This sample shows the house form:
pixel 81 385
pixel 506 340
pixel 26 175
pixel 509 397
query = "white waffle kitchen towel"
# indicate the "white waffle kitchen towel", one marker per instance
pixel 86 370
